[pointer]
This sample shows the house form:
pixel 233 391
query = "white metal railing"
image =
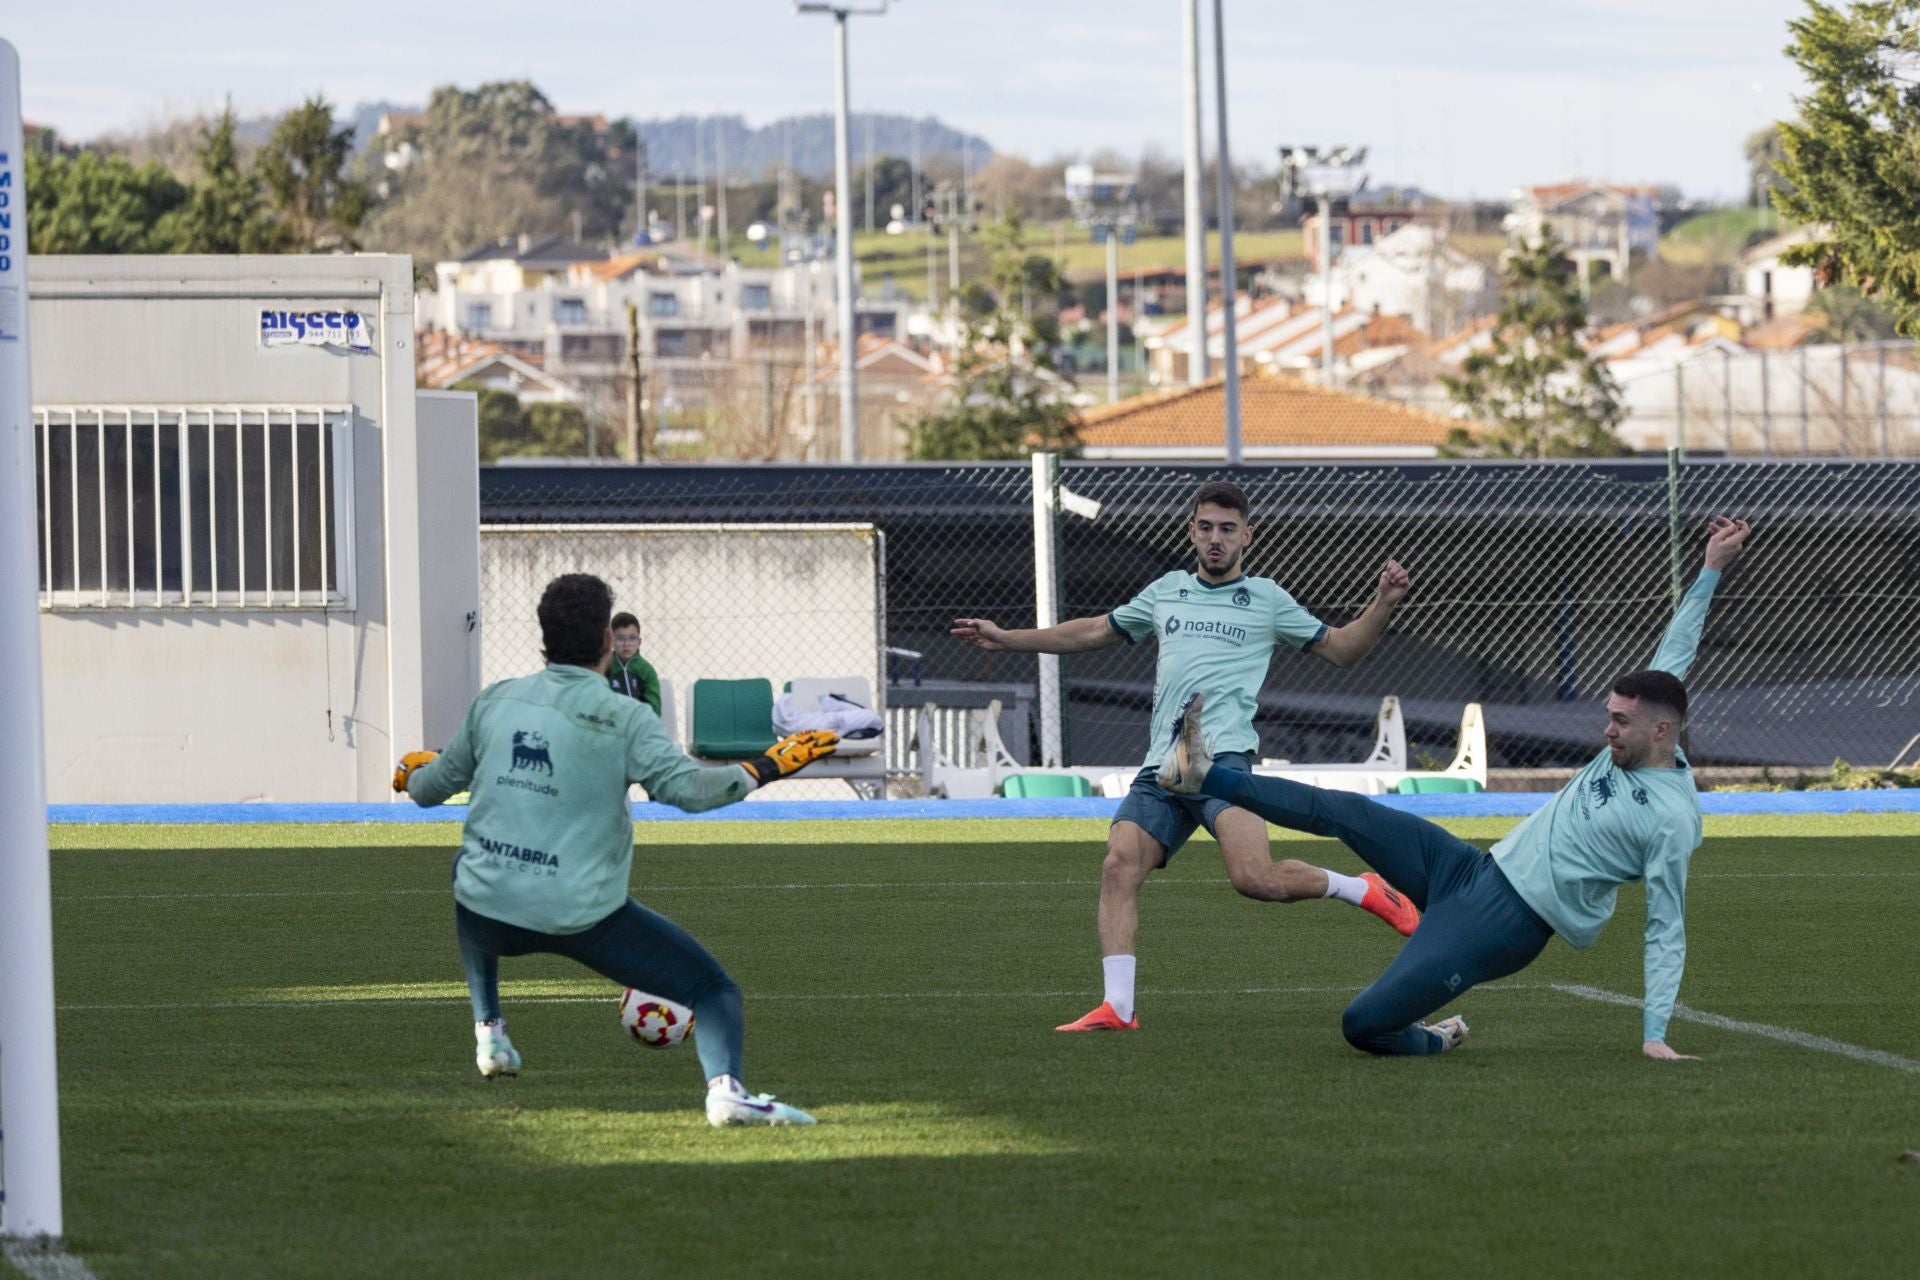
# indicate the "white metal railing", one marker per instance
pixel 195 506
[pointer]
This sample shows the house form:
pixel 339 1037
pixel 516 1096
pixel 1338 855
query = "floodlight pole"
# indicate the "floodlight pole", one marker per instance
pixel 1229 293
pixel 1113 315
pixel 1196 215
pixel 1326 292
pixel 843 224
pixel 843 247
pixel 29 1085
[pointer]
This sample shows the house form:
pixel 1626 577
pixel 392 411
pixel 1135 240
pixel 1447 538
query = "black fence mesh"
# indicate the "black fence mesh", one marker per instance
pixel 1535 586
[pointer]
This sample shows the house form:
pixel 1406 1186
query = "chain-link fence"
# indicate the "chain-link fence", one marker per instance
pixel 1535 586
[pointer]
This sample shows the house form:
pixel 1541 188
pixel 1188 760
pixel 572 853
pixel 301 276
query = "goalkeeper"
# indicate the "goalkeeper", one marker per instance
pixel 548 845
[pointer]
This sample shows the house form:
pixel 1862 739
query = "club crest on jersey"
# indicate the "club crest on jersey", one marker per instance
pixel 1183 593
pixel 530 753
pixel 1639 795
pixel 1243 597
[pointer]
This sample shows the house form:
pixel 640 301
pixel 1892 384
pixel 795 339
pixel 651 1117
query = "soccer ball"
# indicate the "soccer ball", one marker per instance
pixel 655 1021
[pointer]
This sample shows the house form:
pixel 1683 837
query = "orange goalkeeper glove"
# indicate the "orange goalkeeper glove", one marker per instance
pixel 794 752
pixel 408 763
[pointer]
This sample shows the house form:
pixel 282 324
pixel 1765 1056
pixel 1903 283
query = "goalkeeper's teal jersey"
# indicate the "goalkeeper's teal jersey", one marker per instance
pixel 1215 637
pixel 1612 826
pixel 549 838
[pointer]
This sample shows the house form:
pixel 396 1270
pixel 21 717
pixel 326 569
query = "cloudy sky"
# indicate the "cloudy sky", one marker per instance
pixel 1469 97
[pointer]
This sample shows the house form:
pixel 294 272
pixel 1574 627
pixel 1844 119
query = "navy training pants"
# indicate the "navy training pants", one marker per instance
pixel 1473 926
pixel 634 947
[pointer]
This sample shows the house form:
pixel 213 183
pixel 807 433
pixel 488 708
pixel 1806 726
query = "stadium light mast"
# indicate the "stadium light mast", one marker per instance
pixel 843 217
pixel 1331 178
pixel 1196 218
pixel 1107 205
pixel 29 1086
pixel 1229 289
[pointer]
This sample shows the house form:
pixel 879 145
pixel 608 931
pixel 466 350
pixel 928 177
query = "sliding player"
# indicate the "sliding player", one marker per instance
pixel 1217 629
pixel 1632 814
pixel 548 846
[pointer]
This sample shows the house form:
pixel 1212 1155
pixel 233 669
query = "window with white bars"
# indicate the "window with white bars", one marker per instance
pixel 214 507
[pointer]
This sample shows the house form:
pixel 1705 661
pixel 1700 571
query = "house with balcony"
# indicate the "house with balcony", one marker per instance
pixel 1602 225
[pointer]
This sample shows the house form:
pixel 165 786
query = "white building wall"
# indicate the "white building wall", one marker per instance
pixel 203 704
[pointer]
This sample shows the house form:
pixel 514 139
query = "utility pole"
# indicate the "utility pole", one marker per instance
pixel 641 221
pixel 720 184
pixel 1107 205
pixel 636 450
pixel 1196 216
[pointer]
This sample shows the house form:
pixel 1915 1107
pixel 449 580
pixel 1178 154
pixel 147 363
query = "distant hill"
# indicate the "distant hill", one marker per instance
pixel 752 152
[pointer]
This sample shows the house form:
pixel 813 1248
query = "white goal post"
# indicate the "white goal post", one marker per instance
pixel 29 1090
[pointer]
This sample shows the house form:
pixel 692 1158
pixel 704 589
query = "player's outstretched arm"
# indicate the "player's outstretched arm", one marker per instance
pixel 791 754
pixel 1078 636
pixel 1725 538
pixel 1344 646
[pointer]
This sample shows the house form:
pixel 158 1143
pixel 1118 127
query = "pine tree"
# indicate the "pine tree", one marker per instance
pixel 1538 392
pixel 1850 163
pixel 304 168
pixel 1007 400
pixel 223 213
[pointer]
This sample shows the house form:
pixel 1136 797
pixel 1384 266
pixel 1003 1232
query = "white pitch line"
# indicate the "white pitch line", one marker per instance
pixel 43 1259
pixel 642 890
pixel 1785 1035
pixel 752 998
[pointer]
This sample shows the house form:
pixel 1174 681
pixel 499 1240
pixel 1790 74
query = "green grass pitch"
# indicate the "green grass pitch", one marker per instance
pixel 266 1070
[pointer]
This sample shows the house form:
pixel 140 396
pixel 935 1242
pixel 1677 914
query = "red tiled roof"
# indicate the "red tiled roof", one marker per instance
pixel 1273 411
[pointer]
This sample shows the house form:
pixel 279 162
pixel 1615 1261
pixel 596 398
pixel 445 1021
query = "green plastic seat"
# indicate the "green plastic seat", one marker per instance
pixel 732 719
pixel 1045 786
pixel 1437 786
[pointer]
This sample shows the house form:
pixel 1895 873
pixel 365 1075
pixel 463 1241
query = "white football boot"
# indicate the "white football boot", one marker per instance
pixel 494 1054
pixel 1187 760
pixel 728 1102
pixel 1452 1031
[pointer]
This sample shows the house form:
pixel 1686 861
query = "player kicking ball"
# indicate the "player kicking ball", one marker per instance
pixel 1217 629
pixel 548 845
pixel 1632 814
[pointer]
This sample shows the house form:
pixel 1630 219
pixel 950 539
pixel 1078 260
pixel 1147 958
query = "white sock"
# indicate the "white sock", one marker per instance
pixel 493 1028
pixel 1346 888
pixel 1119 971
pixel 725 1084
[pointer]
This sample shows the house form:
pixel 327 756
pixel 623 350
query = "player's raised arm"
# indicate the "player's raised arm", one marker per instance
pixel 1344 646
pixel 1725 537
pixel 1077 636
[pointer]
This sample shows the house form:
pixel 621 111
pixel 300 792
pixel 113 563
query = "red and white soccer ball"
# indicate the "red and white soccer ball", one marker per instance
pixel 655 1021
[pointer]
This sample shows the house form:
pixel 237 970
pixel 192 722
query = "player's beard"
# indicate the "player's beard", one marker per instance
pixel 1227 569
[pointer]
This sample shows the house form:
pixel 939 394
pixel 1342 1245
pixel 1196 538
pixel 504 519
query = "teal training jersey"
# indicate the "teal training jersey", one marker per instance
pixel 549 838
pixel 1215 637
pixel 1613 826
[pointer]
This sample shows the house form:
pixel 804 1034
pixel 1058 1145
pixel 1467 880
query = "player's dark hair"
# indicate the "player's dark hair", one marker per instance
pixel 624 620
pixel 573 619
pixel 1656 688
pixel 1221 493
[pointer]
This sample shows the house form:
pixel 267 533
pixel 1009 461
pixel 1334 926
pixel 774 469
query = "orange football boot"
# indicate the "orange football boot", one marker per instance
pixel 1390 904
pixel 1102 1019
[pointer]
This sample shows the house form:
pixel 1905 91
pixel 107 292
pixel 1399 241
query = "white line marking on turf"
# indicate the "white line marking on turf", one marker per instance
pixel 43 1259
pixel 510 998
pixel 642 890
pixel 1785 1035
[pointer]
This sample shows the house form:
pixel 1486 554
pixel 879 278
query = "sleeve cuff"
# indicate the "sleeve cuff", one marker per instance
pixel 1120 630
pixel 1318 636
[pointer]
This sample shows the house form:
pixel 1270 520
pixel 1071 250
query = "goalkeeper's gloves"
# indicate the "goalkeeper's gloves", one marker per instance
pixel 408 763
pixel 793 752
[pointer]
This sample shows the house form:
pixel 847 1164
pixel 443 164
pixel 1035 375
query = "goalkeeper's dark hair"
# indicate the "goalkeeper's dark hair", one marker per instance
pixel 574 611
pixel 1220 493
pixel 1656 689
